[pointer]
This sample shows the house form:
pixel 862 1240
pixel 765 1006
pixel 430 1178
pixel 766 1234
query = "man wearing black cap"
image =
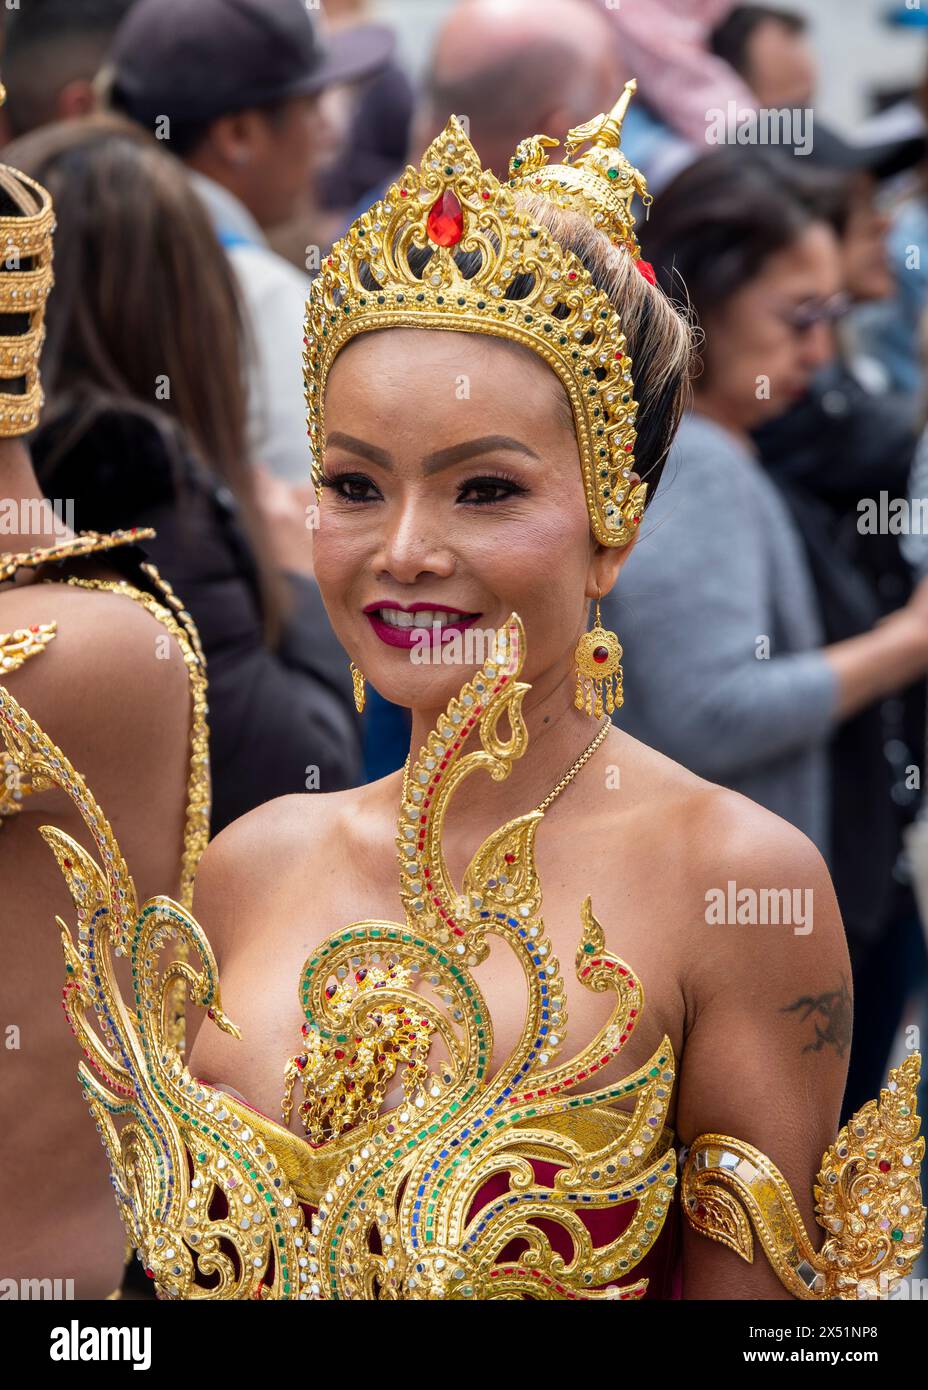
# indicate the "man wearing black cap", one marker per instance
pixel 232 87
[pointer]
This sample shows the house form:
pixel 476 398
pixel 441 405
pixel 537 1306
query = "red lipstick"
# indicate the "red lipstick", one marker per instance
pixel 436 622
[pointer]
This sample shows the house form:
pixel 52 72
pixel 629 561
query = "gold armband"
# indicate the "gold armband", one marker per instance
pixel 867 1200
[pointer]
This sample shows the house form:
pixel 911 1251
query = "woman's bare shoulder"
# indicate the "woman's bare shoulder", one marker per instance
pixel 110 688
pixel 714 827
pixel 713 844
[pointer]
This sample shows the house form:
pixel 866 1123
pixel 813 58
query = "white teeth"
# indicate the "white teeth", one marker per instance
pixel 424 617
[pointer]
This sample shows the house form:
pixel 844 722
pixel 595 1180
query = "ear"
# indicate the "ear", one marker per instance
pixel 605 564
pixel 76 99
pixel 607 560
pixel 233 137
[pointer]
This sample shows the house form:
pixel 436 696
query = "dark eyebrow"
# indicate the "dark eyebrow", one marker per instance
pixel 470 448
pixel 357 446
pixel 440 458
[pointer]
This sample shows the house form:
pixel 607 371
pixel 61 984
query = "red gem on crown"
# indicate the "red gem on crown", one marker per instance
pixel 445 224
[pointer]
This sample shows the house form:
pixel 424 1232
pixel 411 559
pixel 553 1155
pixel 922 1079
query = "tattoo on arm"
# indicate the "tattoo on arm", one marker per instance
pixel 831 1016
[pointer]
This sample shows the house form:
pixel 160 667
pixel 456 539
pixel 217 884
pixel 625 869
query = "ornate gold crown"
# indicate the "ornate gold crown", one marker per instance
pixel 524 287
pixel 26 238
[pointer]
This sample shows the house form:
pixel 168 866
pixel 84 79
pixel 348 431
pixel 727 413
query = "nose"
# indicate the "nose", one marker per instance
pixel 412 546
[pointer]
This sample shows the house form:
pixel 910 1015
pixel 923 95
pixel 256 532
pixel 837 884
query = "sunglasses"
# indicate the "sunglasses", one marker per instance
pixel 802 318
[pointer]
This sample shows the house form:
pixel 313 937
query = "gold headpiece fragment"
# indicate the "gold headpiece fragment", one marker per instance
pixel 25 283
pixel 601 182
pixel 450 247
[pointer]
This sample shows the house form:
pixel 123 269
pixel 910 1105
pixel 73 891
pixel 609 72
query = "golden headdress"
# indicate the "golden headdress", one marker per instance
pixel 402 265
pixel 25 283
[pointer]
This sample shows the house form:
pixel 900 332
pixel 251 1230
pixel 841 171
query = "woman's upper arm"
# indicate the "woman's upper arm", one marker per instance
pixel 765 1060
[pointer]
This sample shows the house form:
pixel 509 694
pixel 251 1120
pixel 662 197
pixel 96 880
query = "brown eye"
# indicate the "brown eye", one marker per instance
pixel 481 492
pixel 352 487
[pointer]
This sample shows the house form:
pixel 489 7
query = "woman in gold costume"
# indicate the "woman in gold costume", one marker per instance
pixel 103 653
pixel 419 1081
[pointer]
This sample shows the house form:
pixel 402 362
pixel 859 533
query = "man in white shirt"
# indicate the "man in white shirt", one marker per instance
pixel 233 88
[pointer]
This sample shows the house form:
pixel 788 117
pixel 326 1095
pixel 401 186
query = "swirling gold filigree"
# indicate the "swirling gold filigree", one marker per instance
pixel 203 1199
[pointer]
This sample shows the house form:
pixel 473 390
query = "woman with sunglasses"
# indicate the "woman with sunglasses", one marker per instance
pixel 727 669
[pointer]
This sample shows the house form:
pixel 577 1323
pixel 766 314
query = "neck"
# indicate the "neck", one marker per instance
pixel 226 176
pixel 27 519
pixel 557 735
pixel 719 410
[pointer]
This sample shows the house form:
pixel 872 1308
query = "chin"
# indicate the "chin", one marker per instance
pixel 427 687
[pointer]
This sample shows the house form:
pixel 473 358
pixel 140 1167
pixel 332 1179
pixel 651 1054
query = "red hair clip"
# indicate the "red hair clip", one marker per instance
pixel 647 270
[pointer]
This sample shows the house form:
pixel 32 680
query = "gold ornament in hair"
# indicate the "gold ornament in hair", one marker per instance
pixel 526 288
pixel 25 283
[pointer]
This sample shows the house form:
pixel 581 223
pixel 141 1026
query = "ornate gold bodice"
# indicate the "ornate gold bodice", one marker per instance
pixel 477 1185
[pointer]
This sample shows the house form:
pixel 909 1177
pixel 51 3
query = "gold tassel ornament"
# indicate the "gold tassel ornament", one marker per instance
pixel 360 695
pixel 598 656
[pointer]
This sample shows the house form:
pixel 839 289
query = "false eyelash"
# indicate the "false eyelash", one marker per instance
pixel 497 479
pixel 513 487
pixel 334 481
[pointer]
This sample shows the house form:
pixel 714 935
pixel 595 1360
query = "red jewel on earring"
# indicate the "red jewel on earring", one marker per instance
pixel 600 654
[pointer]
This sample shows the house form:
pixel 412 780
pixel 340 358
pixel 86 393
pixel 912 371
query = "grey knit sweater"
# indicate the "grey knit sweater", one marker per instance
pixel 717 614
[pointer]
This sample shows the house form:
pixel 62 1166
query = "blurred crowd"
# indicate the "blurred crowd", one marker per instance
pixel 202 158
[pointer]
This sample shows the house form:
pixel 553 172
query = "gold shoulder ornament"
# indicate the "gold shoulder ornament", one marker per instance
pixel 169 611
pixel 26 279
pixel 480 1183
pixel 16 648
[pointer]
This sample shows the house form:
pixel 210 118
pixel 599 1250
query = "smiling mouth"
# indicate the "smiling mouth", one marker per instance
pixel 422 617
pixel 400 627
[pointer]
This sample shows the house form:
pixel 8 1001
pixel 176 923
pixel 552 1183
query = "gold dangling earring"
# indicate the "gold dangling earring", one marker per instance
pixel 357 680
pixel 598 656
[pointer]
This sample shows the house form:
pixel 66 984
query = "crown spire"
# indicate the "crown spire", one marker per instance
pixel 601 182
pixel 609 131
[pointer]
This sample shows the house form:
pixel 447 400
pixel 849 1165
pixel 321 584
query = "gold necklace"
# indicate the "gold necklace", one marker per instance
pixel 565 781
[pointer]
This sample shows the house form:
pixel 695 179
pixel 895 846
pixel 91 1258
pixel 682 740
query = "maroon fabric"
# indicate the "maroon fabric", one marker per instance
pixel 660 1266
